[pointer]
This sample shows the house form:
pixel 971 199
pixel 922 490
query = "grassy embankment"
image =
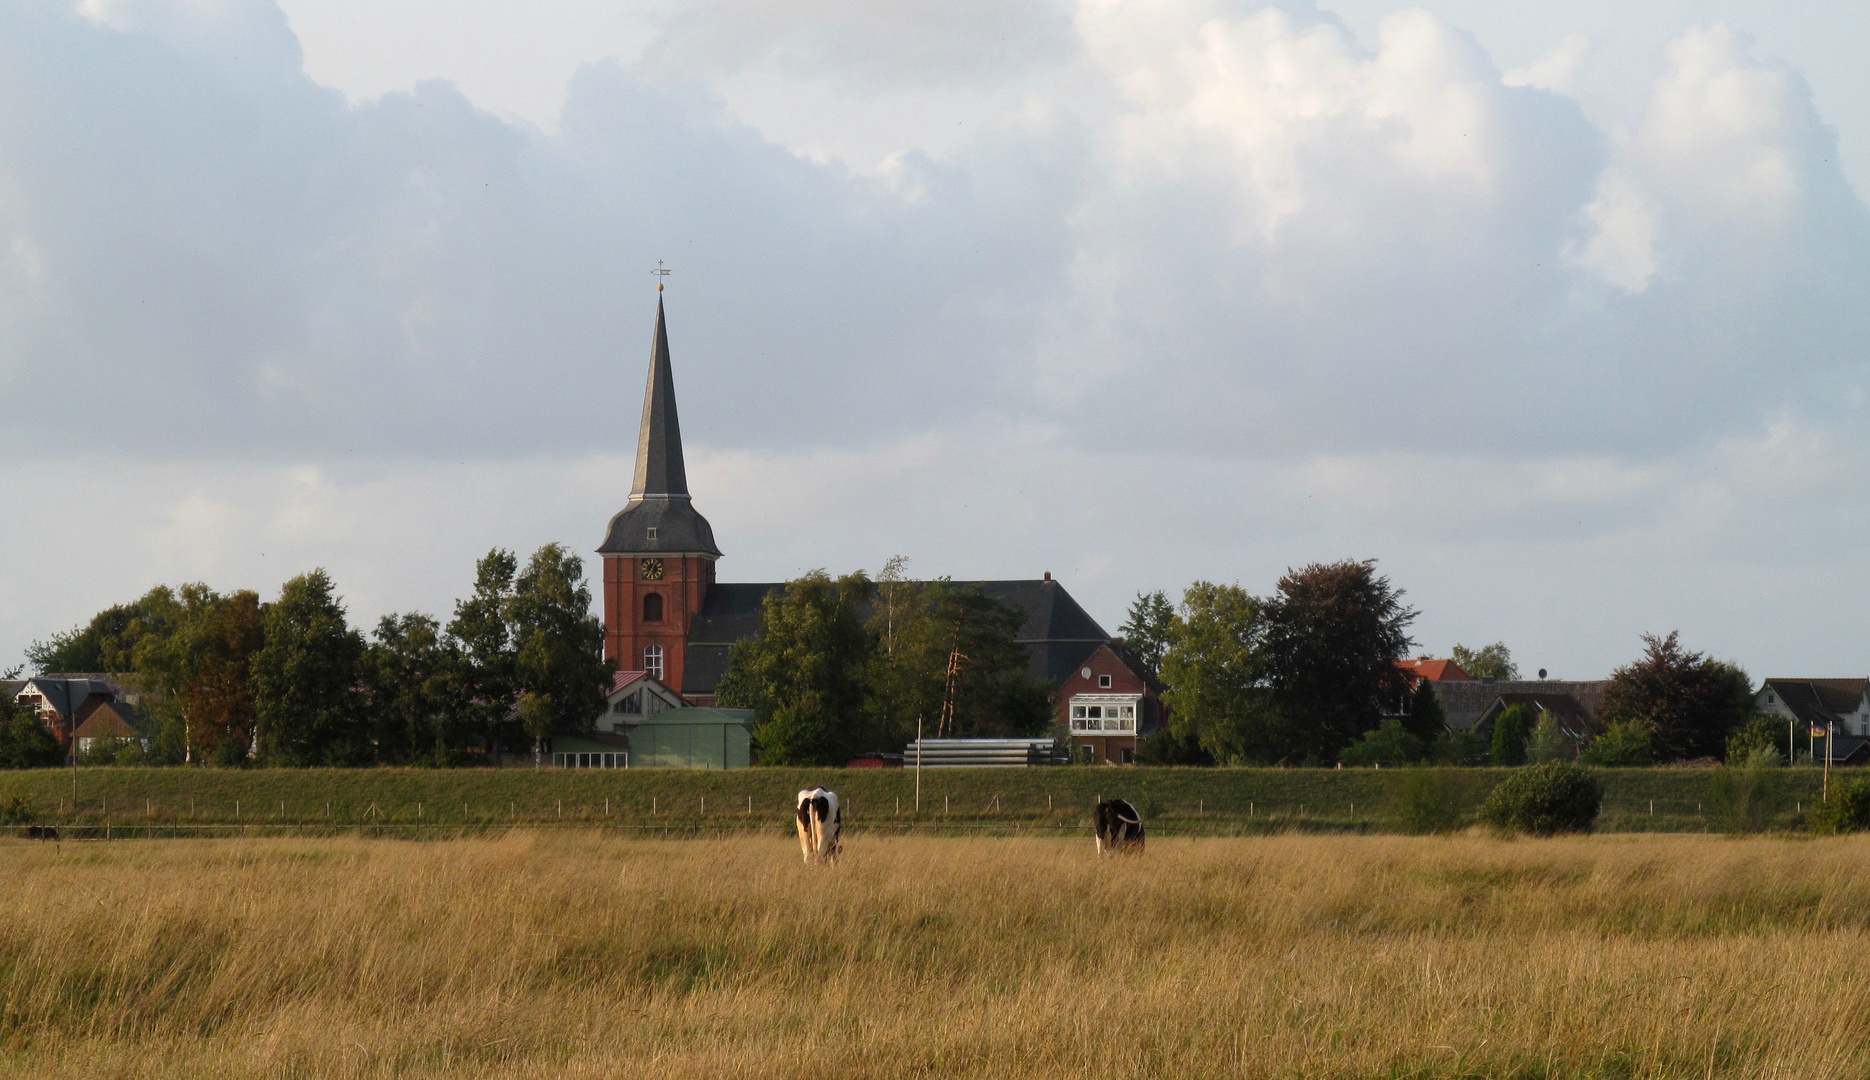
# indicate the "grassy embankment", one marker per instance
pixel 568 954
pixel 1175 801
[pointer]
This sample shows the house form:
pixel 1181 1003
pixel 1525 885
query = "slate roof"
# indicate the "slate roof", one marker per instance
pixel 1818 702
pixel 1464 703
pixel 659 517
pixel 66 695
pixel 1058 634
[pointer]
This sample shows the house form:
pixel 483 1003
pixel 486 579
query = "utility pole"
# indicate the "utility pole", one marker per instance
pixel 918 763
pixel 1824 789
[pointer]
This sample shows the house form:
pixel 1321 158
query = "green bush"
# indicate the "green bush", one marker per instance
pixel 16 810
pixel 1459 747
pixel 1743 797
pixel 1544 800
pixel 1761 733
pixel 1847 810
pixel 1388 744
pixel 1432 800
pixel 1622 744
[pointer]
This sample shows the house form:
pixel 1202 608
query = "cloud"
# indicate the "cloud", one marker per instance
pixel 1198 288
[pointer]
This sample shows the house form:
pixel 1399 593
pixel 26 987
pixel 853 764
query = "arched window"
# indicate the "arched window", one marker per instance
pixel 652 607
pixel 652 661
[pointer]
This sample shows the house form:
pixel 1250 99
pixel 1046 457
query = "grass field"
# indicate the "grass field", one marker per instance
pixel 1175 801
pixel 579 954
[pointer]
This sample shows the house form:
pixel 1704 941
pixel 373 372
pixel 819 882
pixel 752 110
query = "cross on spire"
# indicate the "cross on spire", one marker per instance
pixel 660 271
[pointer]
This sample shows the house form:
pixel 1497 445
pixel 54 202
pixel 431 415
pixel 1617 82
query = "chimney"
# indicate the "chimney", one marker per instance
pixel 1048 575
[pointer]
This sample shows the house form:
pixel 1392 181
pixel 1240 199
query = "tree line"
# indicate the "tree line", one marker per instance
pixel 1309 676
pixel 227 679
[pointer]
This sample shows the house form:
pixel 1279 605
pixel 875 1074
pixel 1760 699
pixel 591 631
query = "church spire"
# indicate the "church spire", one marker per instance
pixel 658 518
pixel 659 468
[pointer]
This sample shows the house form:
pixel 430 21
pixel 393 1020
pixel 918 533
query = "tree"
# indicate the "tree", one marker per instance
pixel 1148 629
pixel 215 666
pixel 1619 745
pixel 558 643
pixel 1548 741
pixel 305 679
pixel 417 708
pixel 25 741
pixel 1215 672
pixel 806 673
pixel 1426 719
pixel 1333 635
pixel 1487 662
pixel 489 685
pixel 994 693
pixel 1510 731
pixel 1688 701
pixel 896 594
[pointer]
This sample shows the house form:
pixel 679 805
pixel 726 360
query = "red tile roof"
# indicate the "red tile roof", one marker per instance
pixel 1434 670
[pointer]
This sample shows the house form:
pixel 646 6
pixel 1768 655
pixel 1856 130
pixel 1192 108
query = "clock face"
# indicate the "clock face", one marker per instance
pixel 652 569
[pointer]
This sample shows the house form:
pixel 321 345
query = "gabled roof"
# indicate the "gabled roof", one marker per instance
pixel 1434 670
pixel 1818 702
pixel 1464 703
pixel 111 720
pixel 659 517
pixel 66 696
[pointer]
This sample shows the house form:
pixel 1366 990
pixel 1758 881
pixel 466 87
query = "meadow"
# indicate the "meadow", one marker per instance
pixel 1185 801
pixel 577 953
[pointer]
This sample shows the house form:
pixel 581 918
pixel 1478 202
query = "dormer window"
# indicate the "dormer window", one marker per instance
pixel 652 532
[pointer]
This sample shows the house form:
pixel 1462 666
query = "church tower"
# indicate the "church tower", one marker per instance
pixel 659 553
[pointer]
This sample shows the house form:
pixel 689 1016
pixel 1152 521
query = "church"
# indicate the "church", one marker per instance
pixel 666 615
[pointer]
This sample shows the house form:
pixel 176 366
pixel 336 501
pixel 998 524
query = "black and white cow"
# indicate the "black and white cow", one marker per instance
pixel 820 825
pixel 1119 828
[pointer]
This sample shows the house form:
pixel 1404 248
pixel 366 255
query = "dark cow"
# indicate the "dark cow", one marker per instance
pixel 820 825
pixel 41 832
pixel 1119 828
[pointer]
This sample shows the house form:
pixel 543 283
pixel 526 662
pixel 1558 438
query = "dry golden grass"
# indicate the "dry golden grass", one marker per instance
pixel 581 956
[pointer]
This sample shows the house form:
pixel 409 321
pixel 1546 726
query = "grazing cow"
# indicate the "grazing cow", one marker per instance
pixel 41 832
pixel 820 825
pixel 1119 828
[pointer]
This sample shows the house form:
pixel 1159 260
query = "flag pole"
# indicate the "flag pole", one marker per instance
pixel 1824 791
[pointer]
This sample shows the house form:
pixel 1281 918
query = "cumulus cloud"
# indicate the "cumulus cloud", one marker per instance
pixel 1314 295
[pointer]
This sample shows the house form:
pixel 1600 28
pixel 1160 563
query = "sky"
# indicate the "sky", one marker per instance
pixel 1558 312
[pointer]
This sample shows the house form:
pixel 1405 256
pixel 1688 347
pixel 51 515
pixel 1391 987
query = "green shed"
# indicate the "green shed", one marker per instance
pixel 693 738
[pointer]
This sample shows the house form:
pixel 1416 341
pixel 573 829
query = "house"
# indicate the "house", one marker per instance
pixel 666 615
pixel 1814 705
pixel 634 697
pixel 112 723
pixel 1572 718
pixel 65 702
pixel 1473 704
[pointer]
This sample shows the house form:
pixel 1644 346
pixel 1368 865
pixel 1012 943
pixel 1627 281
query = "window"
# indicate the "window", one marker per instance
pixel 652 661
pixel 652 532
pixel 652 607
pixel 1103 682
pixel 632 705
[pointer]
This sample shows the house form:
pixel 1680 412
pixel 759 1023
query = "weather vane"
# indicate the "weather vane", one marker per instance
pixel 660 271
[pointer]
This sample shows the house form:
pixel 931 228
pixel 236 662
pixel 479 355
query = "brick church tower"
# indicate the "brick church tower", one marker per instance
pixel 659 553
